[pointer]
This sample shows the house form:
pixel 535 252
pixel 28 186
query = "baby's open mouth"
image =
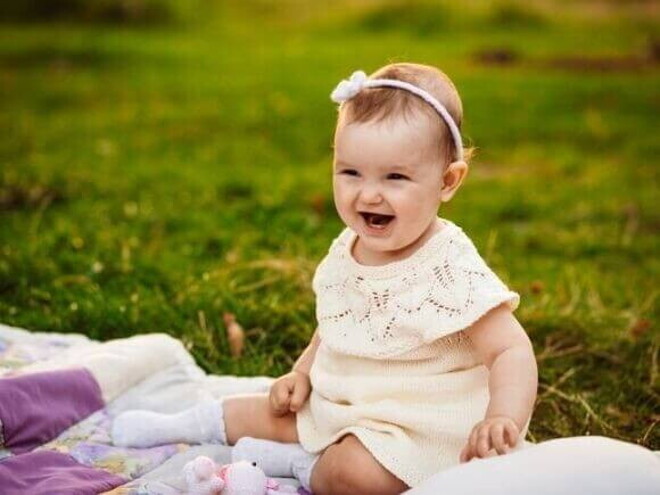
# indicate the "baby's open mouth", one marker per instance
pixel 376 220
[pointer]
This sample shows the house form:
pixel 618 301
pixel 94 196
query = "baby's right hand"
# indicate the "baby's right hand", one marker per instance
pixel 289 392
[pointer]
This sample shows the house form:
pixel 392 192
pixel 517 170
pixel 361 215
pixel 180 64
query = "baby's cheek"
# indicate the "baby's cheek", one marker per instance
pixel 341 195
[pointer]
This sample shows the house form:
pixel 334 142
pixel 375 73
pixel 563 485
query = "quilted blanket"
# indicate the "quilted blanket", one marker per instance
pixel 60 393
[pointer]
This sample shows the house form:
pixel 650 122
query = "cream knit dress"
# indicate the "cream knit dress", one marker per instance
pixel 394 367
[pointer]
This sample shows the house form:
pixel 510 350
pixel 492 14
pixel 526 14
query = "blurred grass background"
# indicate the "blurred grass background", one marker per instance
pixel 165 162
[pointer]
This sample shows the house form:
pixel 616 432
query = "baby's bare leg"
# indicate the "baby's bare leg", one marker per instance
pixel 251 416
pixel 209 421
pixel 347 467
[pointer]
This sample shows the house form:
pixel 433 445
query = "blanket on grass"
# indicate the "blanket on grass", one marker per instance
pixel 60 393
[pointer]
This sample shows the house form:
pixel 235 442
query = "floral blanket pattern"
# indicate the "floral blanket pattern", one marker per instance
pixel 60 392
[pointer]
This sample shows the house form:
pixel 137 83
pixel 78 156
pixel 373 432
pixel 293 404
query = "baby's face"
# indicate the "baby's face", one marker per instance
pixel 387 185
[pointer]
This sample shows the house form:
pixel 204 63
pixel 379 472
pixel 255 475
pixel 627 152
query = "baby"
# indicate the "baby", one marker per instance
pixel 418 363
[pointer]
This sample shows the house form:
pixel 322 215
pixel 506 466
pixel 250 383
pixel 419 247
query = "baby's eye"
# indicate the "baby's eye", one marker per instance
pixel 395 176
pixel 349 171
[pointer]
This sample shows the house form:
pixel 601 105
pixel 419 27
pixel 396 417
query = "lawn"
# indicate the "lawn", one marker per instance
pixel 154 177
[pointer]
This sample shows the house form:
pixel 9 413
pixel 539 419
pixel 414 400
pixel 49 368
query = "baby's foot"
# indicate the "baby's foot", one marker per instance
pixel 202 423
pixel 274 458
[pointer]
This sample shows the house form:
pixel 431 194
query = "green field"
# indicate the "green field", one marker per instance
pixel 154 176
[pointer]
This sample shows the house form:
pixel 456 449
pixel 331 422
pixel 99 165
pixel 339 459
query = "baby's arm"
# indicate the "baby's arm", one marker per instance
pixel 289 392
pixel 506 350
pixel 304 362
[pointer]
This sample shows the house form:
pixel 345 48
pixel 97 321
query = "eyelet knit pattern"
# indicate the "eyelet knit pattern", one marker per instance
pixel 383 311
pixel 394 367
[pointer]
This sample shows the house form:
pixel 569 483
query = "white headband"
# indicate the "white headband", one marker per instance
pixel 348 88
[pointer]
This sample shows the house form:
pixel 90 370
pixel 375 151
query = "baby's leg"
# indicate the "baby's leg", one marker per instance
pixel 347 467
pixel 223 421
pixel 251 416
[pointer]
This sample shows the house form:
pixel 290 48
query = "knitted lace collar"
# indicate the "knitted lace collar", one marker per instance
pixel 386 310
pixel 394 268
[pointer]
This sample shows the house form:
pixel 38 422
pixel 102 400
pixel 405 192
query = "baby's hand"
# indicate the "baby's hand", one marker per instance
pixel 497 432
pixel 289 392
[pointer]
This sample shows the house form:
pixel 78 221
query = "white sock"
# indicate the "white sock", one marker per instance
pixel 203 423
pixel 302 470
pixel 275 458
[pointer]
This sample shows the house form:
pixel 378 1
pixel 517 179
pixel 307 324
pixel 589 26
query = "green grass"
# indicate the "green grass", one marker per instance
pixel 153 178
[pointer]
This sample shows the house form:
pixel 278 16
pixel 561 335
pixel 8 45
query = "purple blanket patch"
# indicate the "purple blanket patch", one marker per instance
pixel 37 407
pixel 50 473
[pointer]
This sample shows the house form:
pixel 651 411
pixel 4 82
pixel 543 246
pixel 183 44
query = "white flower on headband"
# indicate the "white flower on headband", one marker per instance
pixel 348 88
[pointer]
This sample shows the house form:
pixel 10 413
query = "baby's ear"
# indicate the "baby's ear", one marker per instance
pixel 452 178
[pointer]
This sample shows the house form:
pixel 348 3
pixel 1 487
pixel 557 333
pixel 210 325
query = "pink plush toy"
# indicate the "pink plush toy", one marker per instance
pixel 240 478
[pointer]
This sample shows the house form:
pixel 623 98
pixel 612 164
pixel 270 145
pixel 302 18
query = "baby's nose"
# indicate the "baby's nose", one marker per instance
pixel 370 193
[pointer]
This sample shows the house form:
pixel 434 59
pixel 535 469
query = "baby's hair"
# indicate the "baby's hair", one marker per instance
pixel 385 103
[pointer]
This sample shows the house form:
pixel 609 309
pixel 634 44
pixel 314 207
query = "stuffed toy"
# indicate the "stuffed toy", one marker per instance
pixel 239 478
